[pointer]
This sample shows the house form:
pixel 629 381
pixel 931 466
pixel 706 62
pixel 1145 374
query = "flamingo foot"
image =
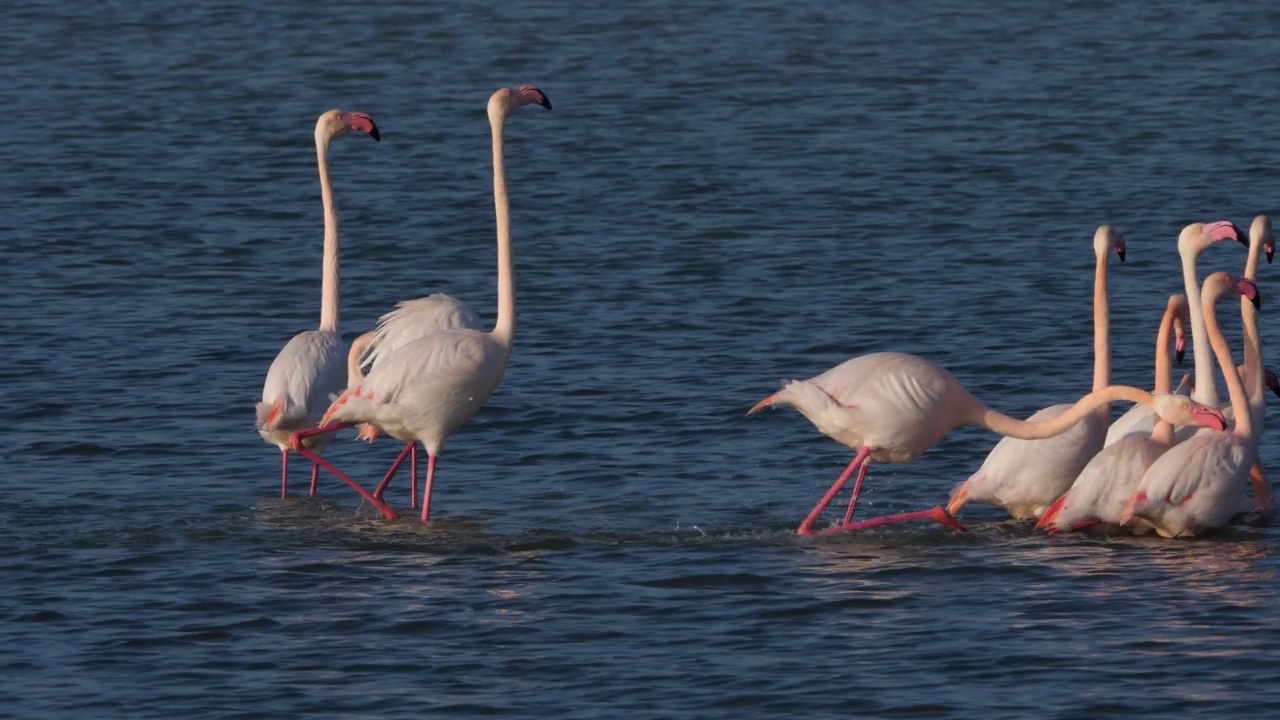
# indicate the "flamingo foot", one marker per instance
pixel 938 514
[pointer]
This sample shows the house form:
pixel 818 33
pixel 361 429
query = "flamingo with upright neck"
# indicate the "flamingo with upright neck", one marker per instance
pixel 309 368
pixel 892 407
pixel 426 389
pixel 1200 483
pixel 1025 476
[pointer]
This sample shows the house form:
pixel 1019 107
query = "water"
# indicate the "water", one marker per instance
pixel 726 194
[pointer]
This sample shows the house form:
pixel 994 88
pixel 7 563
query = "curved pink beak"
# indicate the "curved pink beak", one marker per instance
pixel 362 122
pixel 1206 416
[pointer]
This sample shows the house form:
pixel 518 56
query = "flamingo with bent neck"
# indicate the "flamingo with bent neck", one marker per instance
pixel 1025 476
pixel 1200 483
pixel 892 407
pixel 309 368
pixel 427 388
pixel 1098 495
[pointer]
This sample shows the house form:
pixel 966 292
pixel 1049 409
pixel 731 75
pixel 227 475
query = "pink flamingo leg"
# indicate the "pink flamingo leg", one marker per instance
pixel 395 466
pixel 413 475
pixel 296 441
pixel 426 490
pixel 315 478
pixel 939 514
pixel 806 527
pixel 284 473
pixel 857 490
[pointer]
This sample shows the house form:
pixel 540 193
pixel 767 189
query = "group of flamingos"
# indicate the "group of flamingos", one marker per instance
pixel 1175 464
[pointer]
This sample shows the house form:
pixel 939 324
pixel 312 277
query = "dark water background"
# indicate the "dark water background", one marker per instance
pixel 726 194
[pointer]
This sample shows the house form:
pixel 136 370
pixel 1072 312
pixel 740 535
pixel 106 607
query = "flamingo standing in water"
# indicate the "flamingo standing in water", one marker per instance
pixel 411 320
pixel 427 388
pixel 1025 476
pixel 1200 483
pixel 892 407
pixel 1098 495
pixel 309 368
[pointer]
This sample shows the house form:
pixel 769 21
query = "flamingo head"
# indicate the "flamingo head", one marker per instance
pixel 340 122
pixel 1182 410
pixel 1106 239
pixel 507 100
pixel 1261 230
pixel 1196 237
pixel 1249 289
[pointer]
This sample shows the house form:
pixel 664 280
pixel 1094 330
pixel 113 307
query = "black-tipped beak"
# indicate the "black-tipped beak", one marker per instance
pixel 1179 355
pixel 1121 254
pixel 1271 251
pixel 546 101
pixel 1256 300
pixel 373 133
pixel 1241 236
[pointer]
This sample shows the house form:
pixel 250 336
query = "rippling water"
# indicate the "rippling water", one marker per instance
pixel 726 194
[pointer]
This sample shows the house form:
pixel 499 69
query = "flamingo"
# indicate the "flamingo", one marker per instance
pixel 1200 483
pixel 411 320
pixel 1025 476
pixel 1099 493
pixel 892 407
pixel 427 388
pixel 308 369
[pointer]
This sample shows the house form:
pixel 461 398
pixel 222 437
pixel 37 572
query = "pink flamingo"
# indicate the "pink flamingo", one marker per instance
pixel 1098 495
pixel 1199 484
pixel 427 388
pixel 892 407
pixel 309 368
pixel 1193 240
pixel 1025 476
pixel 411 320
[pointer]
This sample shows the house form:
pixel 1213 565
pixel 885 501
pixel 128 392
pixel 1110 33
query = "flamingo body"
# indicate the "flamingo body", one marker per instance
pixel 1197 485
pixel 1009 478
pixel 427 388
pixel 1099 493
pixel 896 404
pixel 307 371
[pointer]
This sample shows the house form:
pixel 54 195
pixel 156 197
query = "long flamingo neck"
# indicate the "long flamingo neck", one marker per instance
pixel 1235 387
pixel 1206 390
pixel 1101 324
pixel 330 320
pixel 1163 431
pixel 998 422
pixel 1252 342
pixel 505 327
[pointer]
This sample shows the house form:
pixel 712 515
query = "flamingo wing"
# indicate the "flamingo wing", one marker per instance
pixel 416 319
